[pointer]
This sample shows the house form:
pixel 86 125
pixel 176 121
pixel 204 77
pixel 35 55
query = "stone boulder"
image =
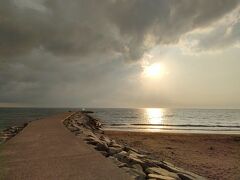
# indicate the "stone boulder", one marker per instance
pixel 114 150
pixel 159 177
pixel 101 146
pixel 161 171
pixel 105 139
pixel 120 156
pixel 135 173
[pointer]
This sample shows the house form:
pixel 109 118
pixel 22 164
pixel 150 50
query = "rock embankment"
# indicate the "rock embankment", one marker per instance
pixel 10 132
pixel 138 164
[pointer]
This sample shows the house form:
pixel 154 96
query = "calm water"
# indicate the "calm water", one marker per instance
pixel 150 119
pixel 18 116
pixel 178 120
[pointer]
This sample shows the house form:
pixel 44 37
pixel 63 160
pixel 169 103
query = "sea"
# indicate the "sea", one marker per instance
pixel 210 121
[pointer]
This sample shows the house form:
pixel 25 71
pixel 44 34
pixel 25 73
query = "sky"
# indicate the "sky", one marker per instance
pixel 120 53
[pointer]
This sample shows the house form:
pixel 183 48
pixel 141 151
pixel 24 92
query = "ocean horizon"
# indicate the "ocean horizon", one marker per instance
pixel 176 120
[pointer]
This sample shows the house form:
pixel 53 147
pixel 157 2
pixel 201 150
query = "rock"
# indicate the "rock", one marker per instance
pixel 3 138
pixel 101 146
pixel 127 169
pixel 106 139
pixel 93 140
pixel 10 132
pixel 73 129
pixel 76 126
pixel 127 148
pixel 104 153
pixel 117 162
pixel 122 165
pixel 113 150
pixel 190 176
pixel 185 177
pixel 135 154
pixel 13 130
pixel 130 159
pixel 92 123
pixel 149 163
pixel 123 156
pixel 161 171
pixel 89 134
pixel 139 175
pixel 120 156
pixel 77 132
pixel 181 172
pixel 138 167
pixel 159 177
pixel 79 123
pixel 135 173
pixel 168 163
pixel 8 135
pixel 6 130
pixel 170 167
pixel 114 144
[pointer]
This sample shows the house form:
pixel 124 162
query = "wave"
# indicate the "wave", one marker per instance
pixel 171 125
pixel 189 129
pixel 184 129
pixel 130 117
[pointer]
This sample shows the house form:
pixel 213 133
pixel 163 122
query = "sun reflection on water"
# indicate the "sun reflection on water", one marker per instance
pixel 154 115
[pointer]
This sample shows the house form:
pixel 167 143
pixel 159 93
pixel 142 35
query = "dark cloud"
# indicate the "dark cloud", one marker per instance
pixel 90 26
pixel 76 45
pixel 217 37
pixel 166 21
pixel 43 79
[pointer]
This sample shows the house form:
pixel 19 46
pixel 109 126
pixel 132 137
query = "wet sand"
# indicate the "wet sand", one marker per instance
pixel 209 155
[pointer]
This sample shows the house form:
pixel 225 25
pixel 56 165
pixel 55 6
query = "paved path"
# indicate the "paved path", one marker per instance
pixel 45 149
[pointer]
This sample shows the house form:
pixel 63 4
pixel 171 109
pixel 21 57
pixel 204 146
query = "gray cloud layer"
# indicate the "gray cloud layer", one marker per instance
pixel 90 26
pixel 46 45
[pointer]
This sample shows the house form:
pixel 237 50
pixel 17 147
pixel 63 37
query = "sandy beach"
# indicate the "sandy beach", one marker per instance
pixel 209 155
pixel 139 155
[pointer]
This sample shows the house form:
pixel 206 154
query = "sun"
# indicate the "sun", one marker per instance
pixel 153 70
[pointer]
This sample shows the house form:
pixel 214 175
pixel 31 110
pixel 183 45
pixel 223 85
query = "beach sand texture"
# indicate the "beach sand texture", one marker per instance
pixel 209 155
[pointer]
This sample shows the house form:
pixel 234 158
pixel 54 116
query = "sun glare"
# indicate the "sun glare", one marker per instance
pixel 155 115
pixel 153 70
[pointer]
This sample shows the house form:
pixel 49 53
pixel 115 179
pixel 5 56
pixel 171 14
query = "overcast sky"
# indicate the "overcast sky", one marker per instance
pixel 92 53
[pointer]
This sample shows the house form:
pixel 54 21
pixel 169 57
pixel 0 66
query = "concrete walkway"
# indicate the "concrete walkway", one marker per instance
pixel 45 149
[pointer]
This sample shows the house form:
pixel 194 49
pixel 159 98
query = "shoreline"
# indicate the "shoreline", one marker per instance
pixel 215 156
pixel 137 163
pixel 175 131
